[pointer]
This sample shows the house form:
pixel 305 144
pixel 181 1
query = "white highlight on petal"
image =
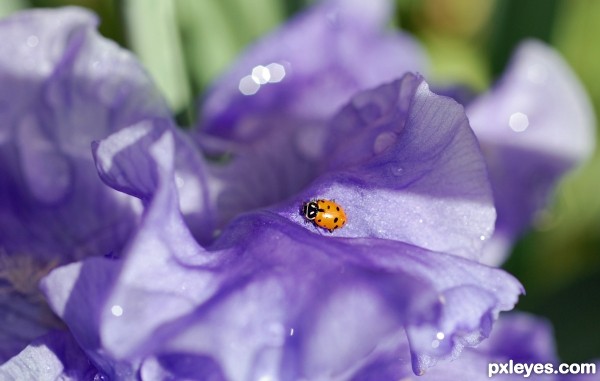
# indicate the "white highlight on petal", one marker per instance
pixel 261 74
pixel 435 344
pixel 248 86
pixel 116 310
pixel 190 190
pixel 118 141
pixel 518 122
pixel 277 72
pixel 442 299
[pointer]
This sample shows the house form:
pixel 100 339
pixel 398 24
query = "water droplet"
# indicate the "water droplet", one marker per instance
pixel 99 377
pixel 482 237
pixel 248 86
pixel 440 335
pixel 291 331
pixel 398 171
pixel 33 41
pixel 518 122
pixel 435 344
pixel 261 74
pixel 116 310
pixel 277 72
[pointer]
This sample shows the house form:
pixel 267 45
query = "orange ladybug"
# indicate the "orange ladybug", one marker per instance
pixel 325 214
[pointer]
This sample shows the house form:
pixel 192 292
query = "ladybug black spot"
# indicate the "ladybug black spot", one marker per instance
pixel 318 220
pixel 335 220
pixel 337 208
pixel 328 207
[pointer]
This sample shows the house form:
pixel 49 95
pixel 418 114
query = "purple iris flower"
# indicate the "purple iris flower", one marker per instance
pixel 206 268
pixel 516 336
pixel 534 125
pixel 61 87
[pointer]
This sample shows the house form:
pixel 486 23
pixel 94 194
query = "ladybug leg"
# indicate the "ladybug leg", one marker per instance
pixel 316 227
pixel 331 230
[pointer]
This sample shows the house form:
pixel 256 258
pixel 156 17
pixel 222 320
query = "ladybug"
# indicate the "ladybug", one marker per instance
pixel 325 214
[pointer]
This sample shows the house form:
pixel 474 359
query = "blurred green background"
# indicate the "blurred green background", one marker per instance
pixel 186 43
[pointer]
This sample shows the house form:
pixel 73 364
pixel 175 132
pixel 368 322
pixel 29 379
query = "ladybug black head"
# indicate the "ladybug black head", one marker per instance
pixel 310 210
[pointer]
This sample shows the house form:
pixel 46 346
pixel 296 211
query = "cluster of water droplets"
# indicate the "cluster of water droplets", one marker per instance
pixel 261 75
pixel 535 75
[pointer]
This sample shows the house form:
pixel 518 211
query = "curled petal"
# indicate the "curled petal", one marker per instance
pixel 272 299
pixel 536 124
pixel 268 296
pixel 296 303
pixel 162 237
pixel 123 163
pixel 63 86
pixel 523 338
pixel 405 165
pixel 265 117
pixel 518 337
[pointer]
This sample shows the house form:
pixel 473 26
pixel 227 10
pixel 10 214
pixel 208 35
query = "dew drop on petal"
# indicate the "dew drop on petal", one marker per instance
pixel 116 310
pixel 435 344
pixel 261 74
pixel 518 122
pixel 482 237
pixel 248 86
pixel 440 335
pixel 397 171
pixel 277 72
